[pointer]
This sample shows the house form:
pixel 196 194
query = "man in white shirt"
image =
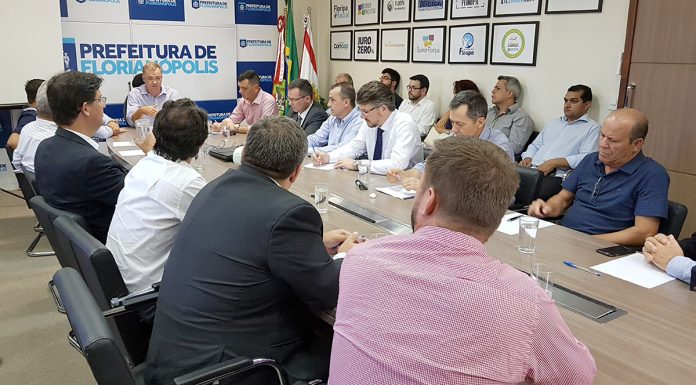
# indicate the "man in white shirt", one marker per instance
pixel 421 109
pixel 390 138
pixel 33 133
pixel 157 193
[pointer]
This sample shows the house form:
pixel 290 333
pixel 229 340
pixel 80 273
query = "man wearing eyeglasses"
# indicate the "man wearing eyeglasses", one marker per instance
pixel 389 137
pixel 391 79
pixel 421 109
pixel 146 100
pixel 305 111
pixel 617 194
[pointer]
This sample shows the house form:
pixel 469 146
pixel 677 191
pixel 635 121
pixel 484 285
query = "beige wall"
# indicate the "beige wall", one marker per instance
pixel 573 48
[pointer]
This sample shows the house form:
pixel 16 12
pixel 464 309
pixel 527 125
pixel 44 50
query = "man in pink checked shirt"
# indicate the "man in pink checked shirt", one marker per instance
pixel 434 308
pixel 254 105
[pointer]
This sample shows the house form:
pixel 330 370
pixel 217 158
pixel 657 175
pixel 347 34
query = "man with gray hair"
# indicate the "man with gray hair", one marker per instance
pixel 388 136
pixel 507 114
pixel 243 290
pixel 146 100
pixel 34 132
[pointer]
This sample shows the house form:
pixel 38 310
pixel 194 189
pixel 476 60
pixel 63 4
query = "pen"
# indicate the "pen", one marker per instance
pixel 515 217
pixel 574 266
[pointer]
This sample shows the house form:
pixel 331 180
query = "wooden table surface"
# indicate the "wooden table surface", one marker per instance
pixel 654 343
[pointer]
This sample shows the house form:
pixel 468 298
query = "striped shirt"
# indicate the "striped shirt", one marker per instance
pixel 32 134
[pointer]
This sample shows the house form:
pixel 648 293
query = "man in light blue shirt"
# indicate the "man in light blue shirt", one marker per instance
pixel 563 142
pixel 343 124
pixel 146 100
pixel 676 258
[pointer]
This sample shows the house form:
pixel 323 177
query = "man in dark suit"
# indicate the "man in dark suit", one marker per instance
pixel 243 271
pixel 305 111
pixel 70 172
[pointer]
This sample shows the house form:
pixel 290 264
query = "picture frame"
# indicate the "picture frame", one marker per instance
pixel 396 11
pixel 502 9
pixel 366 45
pixel 338 49
pixel 573 6
pixel 341 13
pixel 468 44
pixel 425 10
pixel 366 12
pixel 395 45
pixel 460 9
pixel 514 43
pixel 428 44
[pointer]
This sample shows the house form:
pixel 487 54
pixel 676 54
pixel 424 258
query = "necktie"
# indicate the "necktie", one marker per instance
pixel 299 119
pixel 378 145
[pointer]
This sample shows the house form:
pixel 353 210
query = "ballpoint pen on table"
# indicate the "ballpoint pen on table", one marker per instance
pixel 574 266
pixel 515 217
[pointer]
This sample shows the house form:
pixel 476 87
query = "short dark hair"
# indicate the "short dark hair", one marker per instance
pixel 68 91
pixel 476 104
pixel 377 94
pixel 586 91
pixel 474 181
pixel 30 87
pixel 251 76
pixel 346 91
pixel 464 85
pixel 513 85
pixel 303 85
pixel 422 79
pixel 275 145
pixel 393 75
pixel 180 129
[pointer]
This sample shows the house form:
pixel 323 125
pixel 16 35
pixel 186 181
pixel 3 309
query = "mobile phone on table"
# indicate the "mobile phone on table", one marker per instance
pixel 616 251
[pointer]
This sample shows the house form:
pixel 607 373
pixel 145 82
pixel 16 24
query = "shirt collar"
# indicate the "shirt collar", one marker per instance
pixel 351 115
pixel 628 168
pixel 258 98
pixel 164 91
pixel 390 120
pixel 583 118
pixel 29 109
pixel 85 138
pixel 511 109
pixel 486 133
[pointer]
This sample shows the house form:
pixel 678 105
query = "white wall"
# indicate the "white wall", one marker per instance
pixel 573 48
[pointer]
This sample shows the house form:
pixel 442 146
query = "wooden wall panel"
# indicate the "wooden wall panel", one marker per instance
pixel 681 189
pixel 665 31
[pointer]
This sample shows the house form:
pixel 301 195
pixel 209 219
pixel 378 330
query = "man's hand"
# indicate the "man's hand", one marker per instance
pixel 351 241
pixel 660 250
pixel 117 130
pixel 320 157
pixel 148 110
pixel 546 167
pixel 334 238
pixel 411 183
pixel 526 162
pixel 399 176
pixel 539 209
pixel 347 164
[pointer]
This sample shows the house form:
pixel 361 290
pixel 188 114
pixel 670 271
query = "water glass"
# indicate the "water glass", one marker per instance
pixel 143 127
pixel 544 277
pixel 321 197
pixel 199 160
pixel 527 234
pixel 364 172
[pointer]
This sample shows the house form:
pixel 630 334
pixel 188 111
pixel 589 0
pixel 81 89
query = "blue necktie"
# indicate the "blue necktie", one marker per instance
pixel 378 145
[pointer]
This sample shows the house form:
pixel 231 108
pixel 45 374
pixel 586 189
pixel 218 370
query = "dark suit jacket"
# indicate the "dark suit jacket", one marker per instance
pixel 397 100
pixel 315 117
pixel 26 117
pixel 249 255
pixel 73 176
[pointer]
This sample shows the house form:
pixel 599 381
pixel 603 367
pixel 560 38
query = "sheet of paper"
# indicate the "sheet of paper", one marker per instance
pixel 397 192
pixel 137 152
pixel 512 227
pixel 328 166
pixel 635 269
pixel 123 144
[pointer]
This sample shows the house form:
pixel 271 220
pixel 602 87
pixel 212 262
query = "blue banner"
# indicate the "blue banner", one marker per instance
pixel 259 12
pixel 160 10
pixel 63 8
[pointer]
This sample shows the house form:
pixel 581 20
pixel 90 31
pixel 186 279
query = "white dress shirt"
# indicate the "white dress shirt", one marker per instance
pixel 32 134
pixel 401 148
pixel 423 112
pixel 156 194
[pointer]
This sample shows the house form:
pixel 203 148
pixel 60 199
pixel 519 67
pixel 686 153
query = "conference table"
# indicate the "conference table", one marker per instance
pixel 649 337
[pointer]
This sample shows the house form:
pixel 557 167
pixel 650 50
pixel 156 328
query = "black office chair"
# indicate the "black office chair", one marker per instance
pixel 136 82
pixel 531 138
pixel 102 348
pixel 528 191
pixel 25 180
pixel 676 215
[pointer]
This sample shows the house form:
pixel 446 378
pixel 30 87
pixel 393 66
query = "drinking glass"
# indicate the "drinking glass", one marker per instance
pixel 527 234
pixel 321 197
pixel 544 277
pixel 364 172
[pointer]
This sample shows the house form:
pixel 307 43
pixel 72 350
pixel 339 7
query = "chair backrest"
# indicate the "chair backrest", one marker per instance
pixel 676 215
pixel 47 214
pixel 98 343
pixel 530 184
pixel 26 187
pixel 136 82
pixel 97 264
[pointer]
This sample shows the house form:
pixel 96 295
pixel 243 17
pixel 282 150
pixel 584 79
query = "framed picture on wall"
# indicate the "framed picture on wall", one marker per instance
pixel 396 11
pixel 430 10
pixel 366 12
pixel 341 45
pixel 515 43
pixel 463 9
pixel 366 43
pixel 429 44
pixel 508 8
pixel 341 13
pixel 395 44
pixel 468 44
pixel 573 6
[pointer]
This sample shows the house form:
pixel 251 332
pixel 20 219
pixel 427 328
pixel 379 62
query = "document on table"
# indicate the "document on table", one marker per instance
pixel 397 192
pixel 123 144
pixel 635 269
pixel 512 227
pixel 325 167
pixel 137 152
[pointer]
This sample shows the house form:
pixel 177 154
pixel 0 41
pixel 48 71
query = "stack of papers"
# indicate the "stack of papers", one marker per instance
pixel 325 167
pixel 397 192
pixel 510 224
pixel 137 152
pixel 123 144
pixel 635 269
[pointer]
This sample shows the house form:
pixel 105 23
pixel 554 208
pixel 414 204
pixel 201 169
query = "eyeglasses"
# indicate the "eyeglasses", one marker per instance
pixel 411 88
pixel 361 185
pixel 102 100
pixel 385 78
pixel 595 190
pixel 368 111
pixel 293 100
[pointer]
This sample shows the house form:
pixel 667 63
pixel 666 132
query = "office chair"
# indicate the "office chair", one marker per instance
pixel 676 215
pixel 532 136
pixel 102 348
pixel 528 191
pixel 25 180
pixel 136 82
